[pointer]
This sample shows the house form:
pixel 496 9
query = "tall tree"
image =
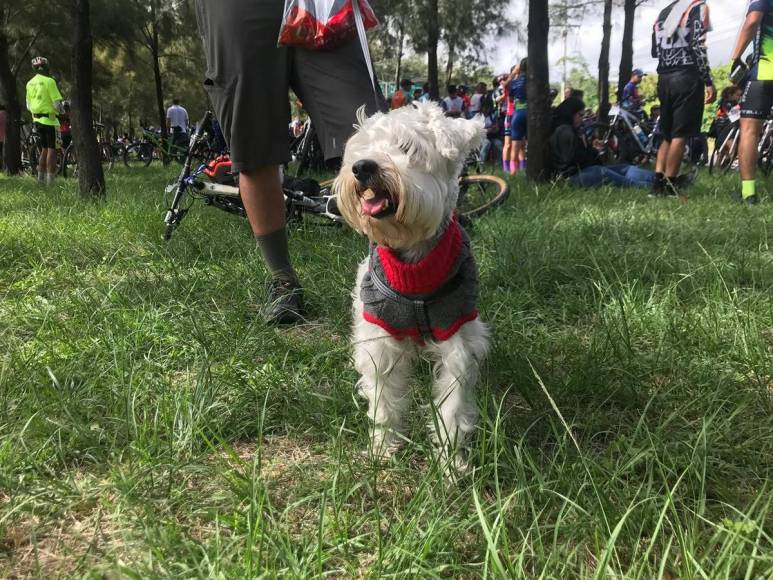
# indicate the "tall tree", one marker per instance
pixel 626 59
pixel 91 178
pixel 432 22
pixel 606 40
pixel 538 88
pixel 467 28
pixel 9 94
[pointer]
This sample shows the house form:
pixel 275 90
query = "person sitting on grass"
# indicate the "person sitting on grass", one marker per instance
pixel 578 162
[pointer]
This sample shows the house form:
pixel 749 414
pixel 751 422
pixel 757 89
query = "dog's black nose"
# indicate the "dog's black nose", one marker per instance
pixel 364 170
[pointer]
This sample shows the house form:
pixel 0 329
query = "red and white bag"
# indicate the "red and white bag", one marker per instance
pixel 324 24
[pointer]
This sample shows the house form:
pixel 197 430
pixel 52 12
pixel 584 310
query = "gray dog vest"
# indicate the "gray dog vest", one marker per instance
pixel 426 301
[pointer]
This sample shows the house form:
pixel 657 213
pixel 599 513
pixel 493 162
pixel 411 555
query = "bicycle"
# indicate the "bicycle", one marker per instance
pixel 30 150
pixel 106 156
pixel 165 149
pixel 626 138
pixel 726 146
pixel 478 194
pixel 306 151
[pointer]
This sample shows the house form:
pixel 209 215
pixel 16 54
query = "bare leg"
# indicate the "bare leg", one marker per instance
pixel 263 199
pixel 675 156
pixel 51 160
pixel 43 163
pixel 660 162
pixel 747 149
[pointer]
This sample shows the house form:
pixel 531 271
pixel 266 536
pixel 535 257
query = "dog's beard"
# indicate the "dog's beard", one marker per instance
pixel 400 221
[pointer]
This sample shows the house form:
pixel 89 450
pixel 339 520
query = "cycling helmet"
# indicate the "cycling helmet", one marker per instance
pixel 40 62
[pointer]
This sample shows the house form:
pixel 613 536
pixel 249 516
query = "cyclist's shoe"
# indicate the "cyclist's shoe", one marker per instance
pixel 284 303
pixel 738 198
pixel 658 188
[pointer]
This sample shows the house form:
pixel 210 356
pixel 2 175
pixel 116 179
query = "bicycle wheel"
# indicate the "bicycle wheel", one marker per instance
pixel 70 162
pixel 481 193
pixel 106 156
pixel 136 155
pixel 724 156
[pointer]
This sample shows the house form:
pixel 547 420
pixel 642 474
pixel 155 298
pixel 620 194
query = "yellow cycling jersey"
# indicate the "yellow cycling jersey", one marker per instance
pixel 42 93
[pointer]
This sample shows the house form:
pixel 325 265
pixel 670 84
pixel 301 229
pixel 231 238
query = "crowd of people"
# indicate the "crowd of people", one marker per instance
pixel 51 116
pixel 685 87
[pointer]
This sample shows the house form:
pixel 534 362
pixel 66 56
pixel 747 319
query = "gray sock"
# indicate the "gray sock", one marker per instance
pixel 276 254
pixel 41 176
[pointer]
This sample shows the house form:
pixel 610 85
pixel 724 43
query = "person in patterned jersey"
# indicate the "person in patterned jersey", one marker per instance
pixel 679 44
pixel 758 96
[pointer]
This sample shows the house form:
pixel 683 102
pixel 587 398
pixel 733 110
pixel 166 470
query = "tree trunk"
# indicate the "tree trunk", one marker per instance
pixel 400 45
pixel 155 53
pixel 91 178
pixel 606 40
pixel 10 96
pixel 626 60
pixel 450 63
pixel 538 89
pixel 433 39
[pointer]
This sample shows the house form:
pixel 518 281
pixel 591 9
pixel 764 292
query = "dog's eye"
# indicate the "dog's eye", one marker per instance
pixel 404 148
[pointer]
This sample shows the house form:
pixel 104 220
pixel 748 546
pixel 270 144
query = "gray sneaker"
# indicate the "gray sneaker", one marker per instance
pixel 284 303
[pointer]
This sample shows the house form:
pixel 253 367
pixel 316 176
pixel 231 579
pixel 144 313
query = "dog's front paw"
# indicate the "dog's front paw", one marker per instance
pixel 384 444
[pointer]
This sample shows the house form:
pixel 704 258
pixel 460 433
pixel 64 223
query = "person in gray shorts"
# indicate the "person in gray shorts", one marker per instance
pixel 248 78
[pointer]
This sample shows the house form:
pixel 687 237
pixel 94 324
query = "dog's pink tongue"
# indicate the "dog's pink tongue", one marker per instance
pixel 374 205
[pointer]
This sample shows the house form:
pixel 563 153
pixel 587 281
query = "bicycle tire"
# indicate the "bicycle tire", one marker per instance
pixel 492 192
pixel 69 162
pixel 106 156
pixel 722 161
pixel 151 153
pixel 135 155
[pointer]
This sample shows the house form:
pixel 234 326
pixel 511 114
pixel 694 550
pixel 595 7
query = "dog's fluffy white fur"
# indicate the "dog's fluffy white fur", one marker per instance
pixel 420 153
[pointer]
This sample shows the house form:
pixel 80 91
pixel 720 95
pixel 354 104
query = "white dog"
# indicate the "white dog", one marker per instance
pixel 417 291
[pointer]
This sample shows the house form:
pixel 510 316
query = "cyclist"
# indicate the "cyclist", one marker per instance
pixel 631 100
pixel 177 122
pixel 758 96
pixel 44 101
pixel 248 78
pixel 516 93
pixel 679 44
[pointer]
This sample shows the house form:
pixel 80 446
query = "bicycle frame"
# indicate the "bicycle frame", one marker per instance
pixel 618 115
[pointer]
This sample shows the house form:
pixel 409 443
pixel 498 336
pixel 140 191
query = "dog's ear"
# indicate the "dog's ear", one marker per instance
pixel 455 138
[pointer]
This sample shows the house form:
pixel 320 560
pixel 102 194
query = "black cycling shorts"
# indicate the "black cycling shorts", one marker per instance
pixel 46 135
pixel 248 79
pixel 682 97
pixel 757 100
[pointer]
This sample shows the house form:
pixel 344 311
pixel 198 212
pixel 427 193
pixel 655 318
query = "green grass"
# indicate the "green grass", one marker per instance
pixel 152 426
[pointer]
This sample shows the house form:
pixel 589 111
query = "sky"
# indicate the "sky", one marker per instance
pixel 585 41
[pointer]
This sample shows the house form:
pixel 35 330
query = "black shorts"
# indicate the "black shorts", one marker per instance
pixel 46 135
pixel 248 78
pixel 757 100
pixel 682 97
